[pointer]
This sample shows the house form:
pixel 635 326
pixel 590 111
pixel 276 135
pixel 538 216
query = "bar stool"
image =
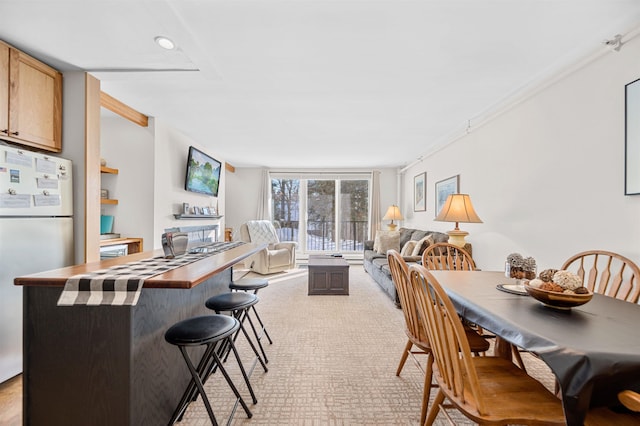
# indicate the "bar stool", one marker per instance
pixel 206 330
pixel 238 303
pixel 255 284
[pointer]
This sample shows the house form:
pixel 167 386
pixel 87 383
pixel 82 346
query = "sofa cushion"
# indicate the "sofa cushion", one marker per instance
pixel 387 240
pixel 422 245
pixel 380 262
pixel 407 249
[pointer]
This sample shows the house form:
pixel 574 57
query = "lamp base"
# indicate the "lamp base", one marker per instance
pixel 456 237
pixel 392 226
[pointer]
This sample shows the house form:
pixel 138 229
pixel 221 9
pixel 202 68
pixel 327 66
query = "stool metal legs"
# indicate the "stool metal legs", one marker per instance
pixel 209 361
pixel 241 315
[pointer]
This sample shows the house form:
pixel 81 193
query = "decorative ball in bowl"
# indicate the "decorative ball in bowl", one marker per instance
pixel 555 299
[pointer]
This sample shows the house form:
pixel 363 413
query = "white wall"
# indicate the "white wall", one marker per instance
pixel 547 176
pixel 130 149
pixel 243 189
pixel 171 150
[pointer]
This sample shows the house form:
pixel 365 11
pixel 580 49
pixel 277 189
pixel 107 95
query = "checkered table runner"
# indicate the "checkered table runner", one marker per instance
pixel 118 285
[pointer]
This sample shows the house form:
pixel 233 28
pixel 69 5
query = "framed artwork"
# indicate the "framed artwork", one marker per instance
pixel 444 188
pixel 420 192
pixel 206 211
pixel 632 139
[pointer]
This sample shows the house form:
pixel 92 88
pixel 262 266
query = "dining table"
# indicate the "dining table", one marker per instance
pixel 593 349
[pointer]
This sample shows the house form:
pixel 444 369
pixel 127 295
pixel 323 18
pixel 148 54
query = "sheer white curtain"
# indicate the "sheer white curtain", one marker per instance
pixel 264 201
pixel 375 218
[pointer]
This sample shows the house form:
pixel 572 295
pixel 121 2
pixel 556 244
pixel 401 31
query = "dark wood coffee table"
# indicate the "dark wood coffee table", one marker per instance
pixel 328 275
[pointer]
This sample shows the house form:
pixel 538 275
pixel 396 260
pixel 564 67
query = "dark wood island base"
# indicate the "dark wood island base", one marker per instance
pixel 110 365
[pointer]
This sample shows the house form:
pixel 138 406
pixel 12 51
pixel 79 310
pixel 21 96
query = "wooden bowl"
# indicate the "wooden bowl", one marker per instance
pixel 557 300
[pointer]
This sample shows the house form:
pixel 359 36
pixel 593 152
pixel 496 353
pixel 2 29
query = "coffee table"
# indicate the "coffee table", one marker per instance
pixel 328 275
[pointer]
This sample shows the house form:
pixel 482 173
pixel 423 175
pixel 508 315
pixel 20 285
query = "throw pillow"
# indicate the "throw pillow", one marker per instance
pixel 376 241
pixel 387 240
pixel 407 249
pixel 422 245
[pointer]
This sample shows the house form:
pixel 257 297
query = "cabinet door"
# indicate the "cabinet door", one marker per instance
pixel 4 90
pixel 35 102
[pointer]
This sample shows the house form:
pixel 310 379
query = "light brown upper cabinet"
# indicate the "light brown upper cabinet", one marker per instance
pixel 30 101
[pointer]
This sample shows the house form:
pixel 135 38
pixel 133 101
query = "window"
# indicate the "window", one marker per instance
pixel 323 213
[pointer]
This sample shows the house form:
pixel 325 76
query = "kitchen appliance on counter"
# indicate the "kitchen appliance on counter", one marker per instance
pixel 36 234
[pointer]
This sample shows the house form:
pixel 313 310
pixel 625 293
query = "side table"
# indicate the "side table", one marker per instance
pixel 328 275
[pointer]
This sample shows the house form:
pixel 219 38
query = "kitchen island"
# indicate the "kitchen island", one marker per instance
pixel 110 365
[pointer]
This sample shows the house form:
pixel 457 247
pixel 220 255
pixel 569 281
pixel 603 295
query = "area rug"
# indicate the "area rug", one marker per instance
pixel 332 361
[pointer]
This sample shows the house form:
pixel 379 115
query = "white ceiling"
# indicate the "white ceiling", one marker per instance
pixel 315 83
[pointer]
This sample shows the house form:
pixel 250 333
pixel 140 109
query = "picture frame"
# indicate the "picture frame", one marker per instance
pixel 444 188
pixel 206 211
pixel 420 192
pixel 196 210
pixel 632 138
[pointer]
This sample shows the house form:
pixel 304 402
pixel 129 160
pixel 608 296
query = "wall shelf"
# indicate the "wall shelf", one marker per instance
pixel 108 201
pixel 105 169
pixel 196 216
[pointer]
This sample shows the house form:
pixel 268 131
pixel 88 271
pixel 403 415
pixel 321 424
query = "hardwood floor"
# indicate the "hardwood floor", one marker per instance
pixel 11 402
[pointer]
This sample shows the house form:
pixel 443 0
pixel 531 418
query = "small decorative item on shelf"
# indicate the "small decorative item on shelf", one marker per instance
pixel 104 193
pixel 520 267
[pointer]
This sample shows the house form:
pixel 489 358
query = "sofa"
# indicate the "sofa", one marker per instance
pixel 408 241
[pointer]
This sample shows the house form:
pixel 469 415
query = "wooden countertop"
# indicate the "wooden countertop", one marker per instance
pixel 183 277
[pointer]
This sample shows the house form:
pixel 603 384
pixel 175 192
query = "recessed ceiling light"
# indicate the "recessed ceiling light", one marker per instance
pixel 164 42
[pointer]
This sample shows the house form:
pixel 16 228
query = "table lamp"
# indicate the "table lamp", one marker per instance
pixel 458 208
pixel 393 213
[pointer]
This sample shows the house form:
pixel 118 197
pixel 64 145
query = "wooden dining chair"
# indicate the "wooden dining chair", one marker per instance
pixel 605 416
pixel 606 273
pixel 488 389
pixel 630 399
pixel 417 340
pixel 447 257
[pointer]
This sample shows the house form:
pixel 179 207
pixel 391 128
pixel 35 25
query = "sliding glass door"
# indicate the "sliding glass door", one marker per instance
pixel 323 213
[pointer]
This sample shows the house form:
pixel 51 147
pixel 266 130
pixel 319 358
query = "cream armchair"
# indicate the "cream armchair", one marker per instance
pixel 277 257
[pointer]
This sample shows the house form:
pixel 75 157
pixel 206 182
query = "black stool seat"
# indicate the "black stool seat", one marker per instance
pixel 247 284
pixel 201 330
pixel 231 301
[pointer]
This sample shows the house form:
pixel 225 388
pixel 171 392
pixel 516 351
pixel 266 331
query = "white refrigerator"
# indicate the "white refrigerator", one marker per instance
pixel 36 234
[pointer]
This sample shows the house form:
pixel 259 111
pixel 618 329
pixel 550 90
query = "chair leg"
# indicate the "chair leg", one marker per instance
pixel 405 355
pixel 198 382
pixel 426 393
pixel 262 327
pixel 518 358
pixel 435 408
pixel 258 336
pixel 232 386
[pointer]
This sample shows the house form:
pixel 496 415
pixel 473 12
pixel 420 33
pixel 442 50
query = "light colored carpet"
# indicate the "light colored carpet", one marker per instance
pixel 332 361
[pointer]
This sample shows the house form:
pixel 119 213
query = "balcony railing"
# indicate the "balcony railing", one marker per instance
pixel 321 235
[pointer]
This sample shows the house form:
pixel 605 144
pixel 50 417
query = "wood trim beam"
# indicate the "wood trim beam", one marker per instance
pixel 228 167
pixel 123 110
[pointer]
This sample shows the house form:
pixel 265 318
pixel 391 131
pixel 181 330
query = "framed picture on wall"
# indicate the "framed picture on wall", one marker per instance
pixel 444 188
pixel 632 139
pixel 420 192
